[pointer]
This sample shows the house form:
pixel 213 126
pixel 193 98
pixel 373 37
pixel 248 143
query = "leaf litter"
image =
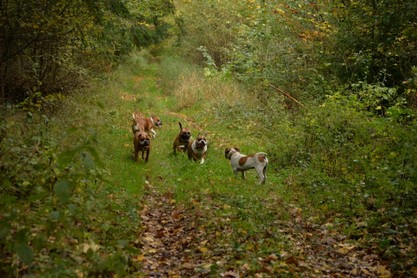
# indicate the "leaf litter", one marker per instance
pixel 179 241
pixel 170 246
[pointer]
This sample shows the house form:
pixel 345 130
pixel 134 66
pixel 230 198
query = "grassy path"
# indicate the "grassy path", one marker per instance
pixel 197 219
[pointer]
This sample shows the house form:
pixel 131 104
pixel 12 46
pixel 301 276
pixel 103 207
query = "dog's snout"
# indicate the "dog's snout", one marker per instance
pixel 202 142
pixel 186 135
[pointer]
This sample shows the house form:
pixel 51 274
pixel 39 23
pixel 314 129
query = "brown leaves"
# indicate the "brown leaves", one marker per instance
pixel 201 240
pixel 170 238
pixel 323 251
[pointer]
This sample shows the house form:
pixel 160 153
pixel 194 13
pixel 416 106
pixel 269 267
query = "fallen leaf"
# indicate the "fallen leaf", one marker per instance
pixel 230 274
pixel 152 251
pixel 203 249
pixel 382 271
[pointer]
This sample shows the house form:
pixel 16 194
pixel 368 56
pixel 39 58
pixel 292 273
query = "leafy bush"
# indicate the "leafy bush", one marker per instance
pixel 373 41
pixel 357 167
pixel 58 218
pixel 211 25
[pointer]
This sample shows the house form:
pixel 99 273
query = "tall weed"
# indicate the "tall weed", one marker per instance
pixel 189 86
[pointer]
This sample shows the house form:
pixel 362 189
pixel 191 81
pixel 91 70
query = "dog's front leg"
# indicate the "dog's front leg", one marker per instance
pixel 153 133
pixel 147 156
pixel 243 175
pixel 203 158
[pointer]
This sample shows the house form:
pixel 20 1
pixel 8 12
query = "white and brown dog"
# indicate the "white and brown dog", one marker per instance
pixel 242 163
pixel 141 143
pixel 182 140
pixel 145 123
pixel 197 149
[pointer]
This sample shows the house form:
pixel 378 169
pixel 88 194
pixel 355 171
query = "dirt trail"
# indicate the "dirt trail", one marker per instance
pixel 168 237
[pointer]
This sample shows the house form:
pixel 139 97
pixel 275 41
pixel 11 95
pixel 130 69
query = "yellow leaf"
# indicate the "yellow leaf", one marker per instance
pixel 140 258
pixel 382 271
pixel 249 247
pixel 149 239
pixel 203 249
pixel 345 248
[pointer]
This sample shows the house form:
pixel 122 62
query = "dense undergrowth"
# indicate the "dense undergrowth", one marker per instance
pixel 59 215
pixel 356 170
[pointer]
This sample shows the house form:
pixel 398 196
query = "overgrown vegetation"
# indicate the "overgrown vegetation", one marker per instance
pixel 328 89
pixel 49 47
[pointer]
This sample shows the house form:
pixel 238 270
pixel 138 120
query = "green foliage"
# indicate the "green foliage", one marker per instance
pixel 374 41
pixel 210 25
pixel 382 101
pixel 58 218
pixel 307 49
pixel 51 45
pixel 354 164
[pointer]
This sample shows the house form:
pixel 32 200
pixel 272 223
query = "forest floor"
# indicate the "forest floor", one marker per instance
pixel 170 231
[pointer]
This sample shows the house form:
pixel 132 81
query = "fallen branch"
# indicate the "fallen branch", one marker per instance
pixel 287 95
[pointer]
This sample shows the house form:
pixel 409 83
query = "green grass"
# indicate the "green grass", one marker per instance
pixel 138 89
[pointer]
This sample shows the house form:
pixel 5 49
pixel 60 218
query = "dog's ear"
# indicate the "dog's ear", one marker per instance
pixel 133 116
pixel 226 153
pixel 237 149
pixel 135 126
pixel 180 125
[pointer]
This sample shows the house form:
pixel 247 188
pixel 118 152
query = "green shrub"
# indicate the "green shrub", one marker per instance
pixel 356 165
pixel 58 217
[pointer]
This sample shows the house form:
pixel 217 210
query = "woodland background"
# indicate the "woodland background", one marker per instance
pixel 332 83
